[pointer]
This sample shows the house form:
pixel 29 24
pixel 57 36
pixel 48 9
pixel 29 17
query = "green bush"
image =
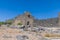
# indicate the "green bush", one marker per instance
pixel 19 23
pixel 8 22
pixel 1 23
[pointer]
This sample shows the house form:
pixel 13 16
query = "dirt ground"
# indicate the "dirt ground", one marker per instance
pixel 10 34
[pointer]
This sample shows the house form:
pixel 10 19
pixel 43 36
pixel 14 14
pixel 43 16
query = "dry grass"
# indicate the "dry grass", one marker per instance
pixel 52 35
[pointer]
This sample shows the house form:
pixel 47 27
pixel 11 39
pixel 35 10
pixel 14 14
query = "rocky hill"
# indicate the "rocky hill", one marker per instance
pixel 27 19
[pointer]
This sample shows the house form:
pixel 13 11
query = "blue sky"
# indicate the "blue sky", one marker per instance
pixel 41 9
